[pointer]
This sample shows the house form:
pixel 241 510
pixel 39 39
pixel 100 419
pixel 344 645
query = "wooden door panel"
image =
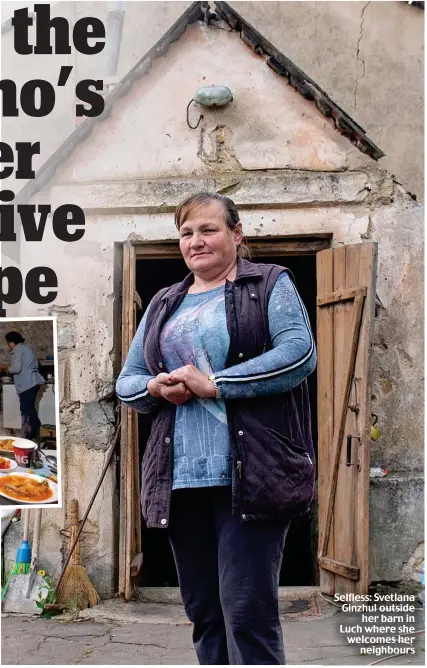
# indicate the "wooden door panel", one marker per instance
pixel 346 297
pixel 325 391
pixel 130 557
pixel 342 327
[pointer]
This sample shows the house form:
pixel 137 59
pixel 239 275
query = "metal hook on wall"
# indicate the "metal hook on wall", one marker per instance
pixel 192 127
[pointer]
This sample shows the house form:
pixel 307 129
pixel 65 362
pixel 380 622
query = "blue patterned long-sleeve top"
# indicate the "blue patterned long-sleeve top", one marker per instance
pixel 196 333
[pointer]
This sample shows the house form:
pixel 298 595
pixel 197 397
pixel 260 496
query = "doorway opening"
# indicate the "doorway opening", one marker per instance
pixel 299 567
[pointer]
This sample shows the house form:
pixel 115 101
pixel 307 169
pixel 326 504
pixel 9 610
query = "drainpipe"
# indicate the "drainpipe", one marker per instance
pixel 114 25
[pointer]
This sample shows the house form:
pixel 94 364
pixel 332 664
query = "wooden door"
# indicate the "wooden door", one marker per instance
pixel 345 314
pixel 130 555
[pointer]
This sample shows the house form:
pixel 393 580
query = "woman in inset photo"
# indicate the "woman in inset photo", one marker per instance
pixel 221 361
pixel 24 369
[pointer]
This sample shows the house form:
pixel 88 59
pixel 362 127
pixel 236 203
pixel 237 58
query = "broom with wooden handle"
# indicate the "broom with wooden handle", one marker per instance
pixel 108 460
pixel 75 588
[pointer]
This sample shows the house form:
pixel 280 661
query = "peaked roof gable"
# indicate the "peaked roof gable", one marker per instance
pixel 308 88
pixel 277 61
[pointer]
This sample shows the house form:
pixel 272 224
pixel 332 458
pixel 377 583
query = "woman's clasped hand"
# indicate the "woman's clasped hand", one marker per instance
pixel 181 385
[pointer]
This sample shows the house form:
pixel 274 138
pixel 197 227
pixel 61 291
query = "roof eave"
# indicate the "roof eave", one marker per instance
pixel 253 39
pixel 308 88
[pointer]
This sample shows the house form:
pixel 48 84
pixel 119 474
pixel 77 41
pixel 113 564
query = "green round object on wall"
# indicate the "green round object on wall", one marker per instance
pixel 213 96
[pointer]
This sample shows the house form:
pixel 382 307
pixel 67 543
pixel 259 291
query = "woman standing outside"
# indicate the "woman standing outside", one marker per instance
pixel 25 371
pixel 220 360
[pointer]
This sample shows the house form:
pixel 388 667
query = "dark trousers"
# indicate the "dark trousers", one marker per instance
pixel 228 574
pixel 30 419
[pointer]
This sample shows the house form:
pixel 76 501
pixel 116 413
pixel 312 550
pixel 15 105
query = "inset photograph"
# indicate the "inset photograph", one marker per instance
pixel 29 413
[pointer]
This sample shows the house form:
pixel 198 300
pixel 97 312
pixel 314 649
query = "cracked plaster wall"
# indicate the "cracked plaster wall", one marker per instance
pixel 362 205
pixel 368 56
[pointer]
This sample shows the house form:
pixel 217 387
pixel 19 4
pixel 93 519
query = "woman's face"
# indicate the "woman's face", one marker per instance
pixel 207 244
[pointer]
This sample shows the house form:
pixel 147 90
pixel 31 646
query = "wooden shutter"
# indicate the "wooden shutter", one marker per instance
pixel 130 555
pixel 345 314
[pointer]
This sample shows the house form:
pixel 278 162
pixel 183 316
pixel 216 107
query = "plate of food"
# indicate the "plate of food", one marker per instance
pixel 6 443
pixel 28 488
pixel 7 464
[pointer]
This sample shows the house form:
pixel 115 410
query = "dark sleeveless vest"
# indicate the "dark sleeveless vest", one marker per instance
pixel 270 437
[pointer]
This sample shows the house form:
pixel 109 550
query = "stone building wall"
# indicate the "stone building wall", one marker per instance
pixel 291 173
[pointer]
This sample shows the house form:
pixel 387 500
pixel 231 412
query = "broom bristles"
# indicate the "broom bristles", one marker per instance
pixel 77 588
pixel 21 568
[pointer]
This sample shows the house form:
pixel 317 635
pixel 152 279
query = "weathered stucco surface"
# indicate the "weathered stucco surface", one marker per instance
pixel 398 386
pixel 130 173
pixel 150 142
pixel 397 536
pixel 368 56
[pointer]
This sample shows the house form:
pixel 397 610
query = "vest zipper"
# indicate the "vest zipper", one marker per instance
pixel 237 320
pixel 171 465
pixel 236 481
pixel 239 462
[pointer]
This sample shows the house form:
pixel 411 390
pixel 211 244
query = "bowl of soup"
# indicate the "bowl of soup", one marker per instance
pixel 28 488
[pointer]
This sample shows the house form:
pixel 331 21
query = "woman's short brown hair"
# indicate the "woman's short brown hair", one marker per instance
pixel 232 217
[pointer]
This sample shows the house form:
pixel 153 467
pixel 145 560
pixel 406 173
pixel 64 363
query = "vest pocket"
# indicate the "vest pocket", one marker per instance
pixel 297 447
pixel 278 475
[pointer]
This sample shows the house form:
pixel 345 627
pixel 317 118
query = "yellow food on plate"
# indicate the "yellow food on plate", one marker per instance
pixel 4 463
pixel 24 489
pixel 7 444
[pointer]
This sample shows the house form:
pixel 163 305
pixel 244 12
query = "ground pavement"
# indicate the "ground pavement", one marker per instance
pixel 116 633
